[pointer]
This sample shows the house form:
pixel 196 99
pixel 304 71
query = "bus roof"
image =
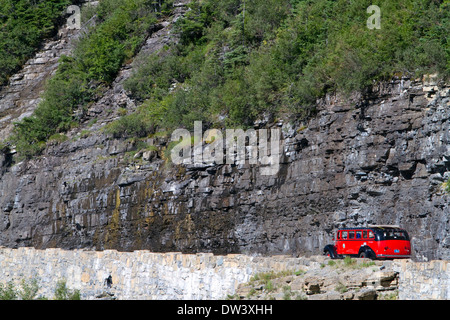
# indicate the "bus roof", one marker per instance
pixel 373 227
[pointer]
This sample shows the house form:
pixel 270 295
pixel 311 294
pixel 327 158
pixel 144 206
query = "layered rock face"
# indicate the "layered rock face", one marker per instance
pixel 22 95
pixel 375 159
pixel 382 161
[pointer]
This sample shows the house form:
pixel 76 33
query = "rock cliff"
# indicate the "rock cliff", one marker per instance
pixel 381 157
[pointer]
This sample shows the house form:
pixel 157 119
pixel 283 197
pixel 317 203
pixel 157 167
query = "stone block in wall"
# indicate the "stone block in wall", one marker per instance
pixel 423 280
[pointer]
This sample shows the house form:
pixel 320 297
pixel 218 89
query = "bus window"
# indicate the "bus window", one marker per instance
pixel 394 235
pixel 339 235
pixel 358 234
pixel 365 234
pixel 344 234
pixel 371 234
pixel 351 234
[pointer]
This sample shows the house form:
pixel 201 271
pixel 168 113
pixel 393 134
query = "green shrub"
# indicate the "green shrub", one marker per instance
pixel 29 288
pixel 58 137
pixel 239 60
pixel 133 125
pixel 236 62
pixel 63 293
pixel 27 291
pixel 121 28
pixel 24 24
pixel 8 291
pixel 269 286
pixel 447 186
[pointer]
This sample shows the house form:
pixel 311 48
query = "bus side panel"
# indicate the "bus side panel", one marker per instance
pixel 355 245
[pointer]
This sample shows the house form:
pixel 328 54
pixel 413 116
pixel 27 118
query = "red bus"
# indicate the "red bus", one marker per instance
pixel 374 242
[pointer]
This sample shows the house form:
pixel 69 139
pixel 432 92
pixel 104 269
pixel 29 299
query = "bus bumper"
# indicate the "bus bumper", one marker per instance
pixel 393 256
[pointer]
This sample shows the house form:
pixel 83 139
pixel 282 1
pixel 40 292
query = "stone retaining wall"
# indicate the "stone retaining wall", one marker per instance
pixel 138 274
pixel 176 276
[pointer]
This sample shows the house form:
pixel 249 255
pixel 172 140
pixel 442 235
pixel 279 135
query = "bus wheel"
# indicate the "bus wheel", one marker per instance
pixel 363 254
pixel 328 254
pixel 366 253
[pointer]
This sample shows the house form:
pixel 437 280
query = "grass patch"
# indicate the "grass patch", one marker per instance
pixel 351 263
pixel 341 288
pixel 266 276
pixel 389 296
